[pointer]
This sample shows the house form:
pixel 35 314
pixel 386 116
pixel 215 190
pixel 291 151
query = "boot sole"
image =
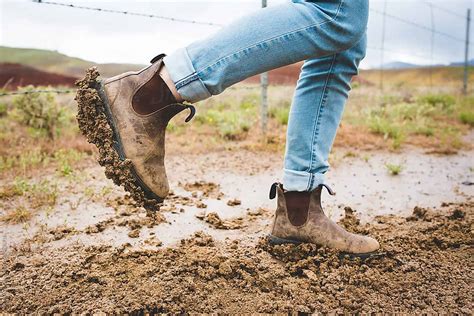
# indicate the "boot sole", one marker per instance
pixel 273 240
pixel 91 98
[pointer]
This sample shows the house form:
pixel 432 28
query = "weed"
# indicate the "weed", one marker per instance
pixel 281 114
pixel 387 127
pixel 231 124
pixel 394 169
pixel 65 158
pixel 445 101
pixel 16 216
pixel 3 109
pixel 350 154
pixel 43 194
pixel 89 193
pixel 249 102
pixel 39 111
pixel 467 118
pixel 105 191
pixel 39 194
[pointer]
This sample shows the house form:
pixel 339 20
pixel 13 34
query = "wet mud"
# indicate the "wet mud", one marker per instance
pixel 95 127
pixel 425 266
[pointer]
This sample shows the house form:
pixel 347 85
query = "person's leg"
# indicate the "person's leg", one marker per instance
pixel 319 100
pixel 270 38
pixel 316 111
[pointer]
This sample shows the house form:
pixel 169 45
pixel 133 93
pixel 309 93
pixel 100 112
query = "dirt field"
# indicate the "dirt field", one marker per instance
pixel 206 251
pixel 13 76
pixel 73 242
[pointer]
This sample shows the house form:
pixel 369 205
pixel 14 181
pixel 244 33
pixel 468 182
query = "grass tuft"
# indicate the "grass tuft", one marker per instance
pixel 16 216
pixel 394 169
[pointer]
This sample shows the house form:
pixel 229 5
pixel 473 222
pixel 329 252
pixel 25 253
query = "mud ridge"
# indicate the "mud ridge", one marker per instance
pixel 95 127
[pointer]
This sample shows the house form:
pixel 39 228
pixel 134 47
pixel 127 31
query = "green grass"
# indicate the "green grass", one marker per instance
pixel 280 113
pixel 232 118
pixel 64 159
pixel 394 169
pixel 467 118
pixel 38 194
pixel 426 115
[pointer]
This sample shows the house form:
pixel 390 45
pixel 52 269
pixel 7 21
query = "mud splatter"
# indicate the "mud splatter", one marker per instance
pixel 95 127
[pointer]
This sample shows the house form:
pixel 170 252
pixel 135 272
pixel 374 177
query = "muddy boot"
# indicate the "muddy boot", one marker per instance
pixel 300 218
pixel 126 118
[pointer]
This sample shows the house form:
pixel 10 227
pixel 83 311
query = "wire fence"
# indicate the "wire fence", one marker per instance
pixel 432 32
pixel 462 37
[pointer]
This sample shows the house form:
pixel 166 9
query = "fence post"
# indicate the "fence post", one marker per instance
pixel 264 87
pixel 466 52
pixel 382 50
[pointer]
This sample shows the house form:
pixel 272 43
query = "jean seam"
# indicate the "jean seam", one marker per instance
pixel 317 121
pixel 275 37
pixel 181 83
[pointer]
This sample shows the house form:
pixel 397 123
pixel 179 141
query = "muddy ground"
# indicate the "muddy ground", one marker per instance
pixel 95 250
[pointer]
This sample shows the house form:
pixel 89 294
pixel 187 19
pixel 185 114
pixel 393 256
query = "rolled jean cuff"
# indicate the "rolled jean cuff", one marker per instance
pixel 187 81
pixel 301 180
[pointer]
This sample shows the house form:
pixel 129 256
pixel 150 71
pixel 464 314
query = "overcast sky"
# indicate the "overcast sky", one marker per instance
pixel 107 37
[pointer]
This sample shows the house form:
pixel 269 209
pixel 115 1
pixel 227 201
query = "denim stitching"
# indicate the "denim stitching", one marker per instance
pixel 187 80
pixel 311 181
pixel 277 37
pixel 317 121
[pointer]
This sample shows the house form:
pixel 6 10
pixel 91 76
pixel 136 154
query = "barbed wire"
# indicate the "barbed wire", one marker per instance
pixel 147 15
pixel 418 25
pixel 444 10
pixel 37 91
pixel 2 94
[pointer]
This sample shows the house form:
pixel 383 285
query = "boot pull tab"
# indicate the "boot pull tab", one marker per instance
pixel 273 190
pixel 192 110
pixel 157 57
pixel 330 191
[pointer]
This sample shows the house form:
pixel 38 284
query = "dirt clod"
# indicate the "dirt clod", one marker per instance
pixel 234 202
pixel 214 220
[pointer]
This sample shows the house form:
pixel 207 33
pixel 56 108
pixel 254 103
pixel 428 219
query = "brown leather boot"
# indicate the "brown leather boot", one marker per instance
pixel 137 106
pixel 300 218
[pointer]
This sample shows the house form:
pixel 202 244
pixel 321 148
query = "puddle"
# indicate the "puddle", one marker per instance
pixel 363 184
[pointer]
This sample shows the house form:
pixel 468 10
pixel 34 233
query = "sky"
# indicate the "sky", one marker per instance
pixel 108 37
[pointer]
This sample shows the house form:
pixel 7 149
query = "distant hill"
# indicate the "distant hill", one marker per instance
pixel 397 73
pixel 400 65
pixel 13 76
pixel 404 65
pixel 461 63
pixel 440 76
pixel 55 62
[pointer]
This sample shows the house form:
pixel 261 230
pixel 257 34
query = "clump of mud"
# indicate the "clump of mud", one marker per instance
pixel 215 221
pixel 94 125
pixel 207 189
pixel 425 266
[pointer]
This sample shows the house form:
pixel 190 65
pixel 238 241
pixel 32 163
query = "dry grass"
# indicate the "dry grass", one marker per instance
pixel 17 216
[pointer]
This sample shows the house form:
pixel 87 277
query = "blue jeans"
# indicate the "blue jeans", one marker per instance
pixel 329 35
